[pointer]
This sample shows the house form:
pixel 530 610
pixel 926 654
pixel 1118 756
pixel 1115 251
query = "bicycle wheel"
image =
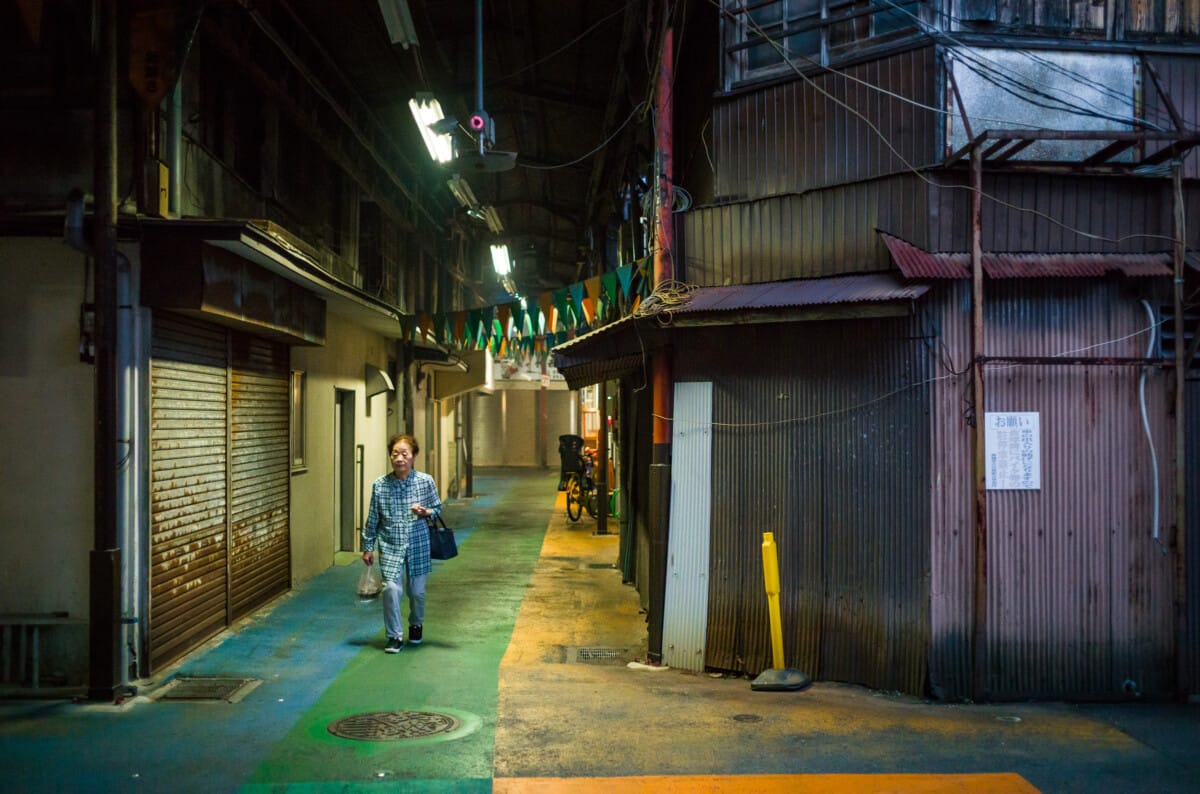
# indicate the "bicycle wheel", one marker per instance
pixel 574 498
pixel 591 502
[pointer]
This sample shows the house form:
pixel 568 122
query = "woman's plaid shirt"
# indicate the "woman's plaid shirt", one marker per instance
pixel 400 534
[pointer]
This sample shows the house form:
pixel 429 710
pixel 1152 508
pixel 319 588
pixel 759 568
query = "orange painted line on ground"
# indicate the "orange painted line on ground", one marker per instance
pixel 999 783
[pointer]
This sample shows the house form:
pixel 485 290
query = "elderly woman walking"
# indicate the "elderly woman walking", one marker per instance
pixel 401 505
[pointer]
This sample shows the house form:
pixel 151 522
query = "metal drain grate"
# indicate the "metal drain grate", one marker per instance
pixel 230 690
pixel 391 726
pixel 587 655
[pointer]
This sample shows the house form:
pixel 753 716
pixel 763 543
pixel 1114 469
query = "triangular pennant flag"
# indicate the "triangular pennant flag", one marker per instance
pixel 473 324
pixel 486 314
pixel 460 327
pixel 530 326
pixel 609 282
pixel 439 328
pixel 589 310
pixel 593 287
pixel 577 293
pixel 518 317
pixel 503 315
pixel 560 303
pixel 425 321
pixel 546 304
pixel 625 275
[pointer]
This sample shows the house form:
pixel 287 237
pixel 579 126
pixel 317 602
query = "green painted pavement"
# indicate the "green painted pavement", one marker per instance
pixel 472 605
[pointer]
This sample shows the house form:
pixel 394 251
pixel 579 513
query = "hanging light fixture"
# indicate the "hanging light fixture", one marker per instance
pixel 427 112
pixel 500 260
pixel 483 158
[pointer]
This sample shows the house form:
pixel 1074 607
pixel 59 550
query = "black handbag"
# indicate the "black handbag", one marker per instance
pixel 442 545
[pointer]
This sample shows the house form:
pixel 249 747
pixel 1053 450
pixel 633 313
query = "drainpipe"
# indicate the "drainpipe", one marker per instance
pixel 175 147
pixel 602 460
pixel 104 657
pixel 129 482
pixel 660 461
pixel 979 624
pixel 1182 683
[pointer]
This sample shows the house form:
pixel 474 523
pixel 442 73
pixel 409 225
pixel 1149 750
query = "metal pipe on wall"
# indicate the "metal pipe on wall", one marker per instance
pixel 104 658
pixel 1182 684
pixel 979 667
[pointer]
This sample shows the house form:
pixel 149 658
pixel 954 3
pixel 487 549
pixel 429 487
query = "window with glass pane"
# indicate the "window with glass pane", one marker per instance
pixel 900 16
pixel 296 406
pixel 761 34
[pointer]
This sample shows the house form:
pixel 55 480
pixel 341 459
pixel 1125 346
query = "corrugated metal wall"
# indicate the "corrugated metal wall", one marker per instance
pixel 797 136
pixel 685 603
pixel 1180 76
pixel 1192 644
pixel 1043 212
pixel 801 236
pixel 1079 592
pixel 821 439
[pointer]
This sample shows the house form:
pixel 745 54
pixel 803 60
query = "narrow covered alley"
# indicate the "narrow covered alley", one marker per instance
pixel 532 678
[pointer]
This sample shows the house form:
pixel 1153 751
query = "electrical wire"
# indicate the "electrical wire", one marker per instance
pixel 547 57
pixel 1098 87
pixel 1026 83
pixel 600 146
pixel 912 168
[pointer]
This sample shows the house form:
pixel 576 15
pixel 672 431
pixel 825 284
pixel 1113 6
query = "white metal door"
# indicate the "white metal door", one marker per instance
pixel 685 602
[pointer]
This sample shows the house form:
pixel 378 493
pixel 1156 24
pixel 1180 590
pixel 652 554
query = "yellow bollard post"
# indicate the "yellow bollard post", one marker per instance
pixel 771 575
pixel 778 678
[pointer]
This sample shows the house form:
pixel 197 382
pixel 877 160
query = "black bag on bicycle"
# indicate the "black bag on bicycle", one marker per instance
pixel 442 545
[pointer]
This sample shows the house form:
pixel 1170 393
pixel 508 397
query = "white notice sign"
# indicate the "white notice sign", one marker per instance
pixel 1013 448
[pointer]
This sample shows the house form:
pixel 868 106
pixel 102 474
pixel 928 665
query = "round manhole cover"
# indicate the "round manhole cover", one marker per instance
pixel 391 726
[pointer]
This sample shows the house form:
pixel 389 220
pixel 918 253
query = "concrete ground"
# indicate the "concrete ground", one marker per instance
pixel 524 669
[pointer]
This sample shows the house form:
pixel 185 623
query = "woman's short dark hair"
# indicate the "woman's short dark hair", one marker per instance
pixel 412 442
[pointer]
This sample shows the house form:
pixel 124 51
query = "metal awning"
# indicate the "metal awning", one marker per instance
pixel 268 246
pixel 918 263
pixel 620 348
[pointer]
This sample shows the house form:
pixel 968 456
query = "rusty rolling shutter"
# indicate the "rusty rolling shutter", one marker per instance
pixel 187 486
pixel 260 561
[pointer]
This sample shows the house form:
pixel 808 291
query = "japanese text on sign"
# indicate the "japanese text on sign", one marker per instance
pixel 1012 445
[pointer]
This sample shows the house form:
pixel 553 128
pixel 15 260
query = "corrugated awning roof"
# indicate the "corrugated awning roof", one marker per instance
pixel 917 263
pixel 801 292
pixel 619 347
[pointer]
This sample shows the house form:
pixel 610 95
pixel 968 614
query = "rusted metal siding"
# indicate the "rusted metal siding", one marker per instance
pixel 798 136
pixel 1192 542
pixel 821 233
pixel 1079 592
pixel 822 441
pixel 1180 77
pixel 188 457
pixel 1041 213
pixel 260 561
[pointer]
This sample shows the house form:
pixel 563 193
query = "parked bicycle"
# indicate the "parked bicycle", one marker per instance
pixel 581 489
pixel 576 477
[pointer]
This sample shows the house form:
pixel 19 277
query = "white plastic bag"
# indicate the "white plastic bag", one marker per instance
pixel 369 584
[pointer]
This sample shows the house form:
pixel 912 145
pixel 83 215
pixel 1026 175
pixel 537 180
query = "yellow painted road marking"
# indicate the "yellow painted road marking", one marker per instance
pixel 1002 783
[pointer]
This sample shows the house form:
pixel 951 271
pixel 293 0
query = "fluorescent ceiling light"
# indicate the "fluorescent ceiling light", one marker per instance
pixel 500 260
pixel 399 22
pixel 462 191
pixel 427 111
pixel 492 219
